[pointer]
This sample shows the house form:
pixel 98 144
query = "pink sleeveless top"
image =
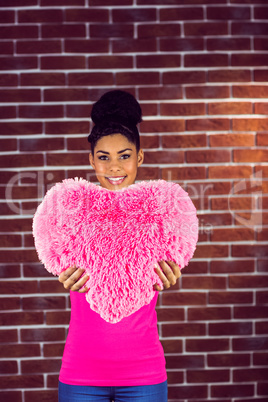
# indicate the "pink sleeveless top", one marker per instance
pixel 99 353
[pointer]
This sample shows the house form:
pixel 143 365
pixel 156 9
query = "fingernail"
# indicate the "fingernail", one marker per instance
pixel 156 265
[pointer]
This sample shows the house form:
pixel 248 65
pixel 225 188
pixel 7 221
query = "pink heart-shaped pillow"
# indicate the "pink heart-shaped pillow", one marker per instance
pixel 117 237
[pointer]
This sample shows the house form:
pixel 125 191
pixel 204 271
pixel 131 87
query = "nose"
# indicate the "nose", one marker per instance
pixel 114 166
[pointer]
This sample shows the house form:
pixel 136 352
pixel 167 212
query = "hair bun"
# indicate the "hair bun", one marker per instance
pixel 119 106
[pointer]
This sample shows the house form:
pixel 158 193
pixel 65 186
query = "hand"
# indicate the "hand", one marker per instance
pixel 72 279
pixel 169 274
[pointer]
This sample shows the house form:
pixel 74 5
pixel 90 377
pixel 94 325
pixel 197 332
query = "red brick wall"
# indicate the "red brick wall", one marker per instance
pixel 199 69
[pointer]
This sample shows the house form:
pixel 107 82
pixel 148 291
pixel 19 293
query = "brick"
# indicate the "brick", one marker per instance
pixel 183 298
pixel 18 63
pixel 26 3
pixel 249 28
pixel 90 79
pixel 41 16
pixel 114 62
pixel 63 62
pixel 181 14
pixel 10 304
pixel 11 396
pixel 57 318
pixel 162 126
pixel 53 381
pixel 174 377
pixel 40 366
pixel 227 43
pixel 261 328
pixel 53 349
pixel 184 141
pixel 184 361
pixel 210 156
pixel 191 173
pixel 247 91
pixel 183 77
pixel 6 48
pixel 260 44
pixel 250 155
pixel 250 374
pixel 165 314
pixel 17 160
pixel 38 46
pixel 52 286
pixel 172 345
pixel 18 31
pixel 78 110
pixel 228 13
pixel 158 30
pixel 262 265
pixel 250 343
pixel 108 2
pixel 206 28
pixel 136 45
pixel 10 241
pixel 260 75
pixel 163 157
pixel 22 381
pixel 200 92
pixel 191 392
pixel 63 31
pixel 18 287
pixel 211 124
pixel 111 30
pixel 230 328
pixel 230 108
pixel 41 111
pixel 7 16
pixel 77 144
pixel 228 360
pixel 232 266
pixel 208 313
pixel 20 95
pixel 160 92
pixel 260 359
pixel 20 255
pixel 42 79
pixel 228 75
pixel 7 80
pixel 86 45
pixel 181 44
pixel 43 334
pixel 43 303
pixel 133 15
pixel 19 318
pixel 232 235
pixel 9 271
pixel 206 60
pixel 42 396
pixel 231 140
pixel 8 367
pixel 207 345
pixel 251 281
pixel 68 159
pixel 10 145
pixel 261 13
pixel 137 78
pixel 261 297
pixel 67 127
pixel 203 376
pixel 65 94
pixel 7 112
pixel 158 61
pixel 87 15
pixel 62 3
pixel 232 391
pixel 250 125
pixel 16 128
pixel 203 282
pixel 184 329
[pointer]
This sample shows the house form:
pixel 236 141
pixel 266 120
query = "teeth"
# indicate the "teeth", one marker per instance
pixel 115 179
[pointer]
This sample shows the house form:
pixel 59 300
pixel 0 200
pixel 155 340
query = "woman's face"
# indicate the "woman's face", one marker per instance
pixel 115 161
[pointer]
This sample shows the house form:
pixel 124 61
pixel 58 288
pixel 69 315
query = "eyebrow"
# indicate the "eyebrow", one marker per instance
pixel 119 152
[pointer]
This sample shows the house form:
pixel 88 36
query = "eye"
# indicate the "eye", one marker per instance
pixel 125 156
pixel 103 157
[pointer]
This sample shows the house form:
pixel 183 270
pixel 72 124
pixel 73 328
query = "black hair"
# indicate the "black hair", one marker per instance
pixel 116 112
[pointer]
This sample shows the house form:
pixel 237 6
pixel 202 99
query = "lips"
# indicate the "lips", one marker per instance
pixel 116 180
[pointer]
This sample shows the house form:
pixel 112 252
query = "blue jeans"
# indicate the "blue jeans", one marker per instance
pixel 142 393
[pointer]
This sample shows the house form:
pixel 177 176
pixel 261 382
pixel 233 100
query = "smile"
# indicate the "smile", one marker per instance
pixel 116 180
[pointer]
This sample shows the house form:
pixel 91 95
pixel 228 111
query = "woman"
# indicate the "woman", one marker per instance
pixel 122 361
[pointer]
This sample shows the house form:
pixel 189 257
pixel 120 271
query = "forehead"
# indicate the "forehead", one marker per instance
pixel 114 142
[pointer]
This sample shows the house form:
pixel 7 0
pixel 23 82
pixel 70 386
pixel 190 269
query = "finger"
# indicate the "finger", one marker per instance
pixel 71 281
pixel 162 276
pixel 66 274
pixel 168 272
pixel 175 267
pixel 80 285
pixel 157 287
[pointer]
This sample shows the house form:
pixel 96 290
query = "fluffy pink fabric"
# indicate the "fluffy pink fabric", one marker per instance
pixel 117 237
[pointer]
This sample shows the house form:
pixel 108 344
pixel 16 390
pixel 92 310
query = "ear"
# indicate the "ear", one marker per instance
pixel 91 160
pixel 140 157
